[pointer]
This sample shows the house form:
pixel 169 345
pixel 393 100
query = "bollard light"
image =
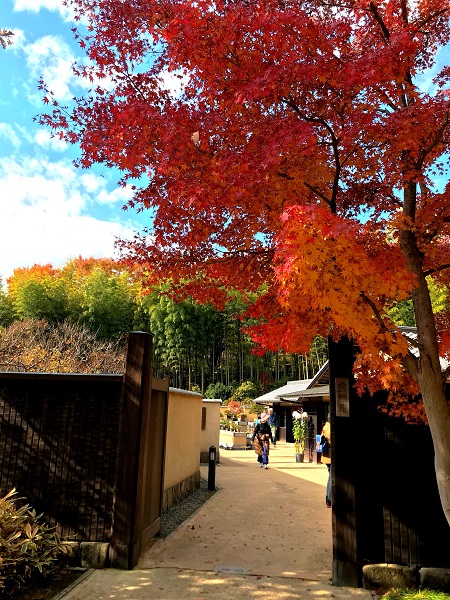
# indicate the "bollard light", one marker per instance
pixel 212 469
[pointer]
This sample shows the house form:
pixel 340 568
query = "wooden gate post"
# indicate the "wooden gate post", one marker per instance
pixel 344 430
pixel 126 540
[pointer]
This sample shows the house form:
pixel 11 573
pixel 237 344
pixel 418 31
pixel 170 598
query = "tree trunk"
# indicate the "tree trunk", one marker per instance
pixel 189 371
pixel 277 365
pixel 426 368
pixel 438 416
pixel 428 374
pixel 203 378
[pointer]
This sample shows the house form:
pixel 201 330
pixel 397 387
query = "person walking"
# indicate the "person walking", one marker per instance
pixel 273 422
pixel 261 441
pixel 326 458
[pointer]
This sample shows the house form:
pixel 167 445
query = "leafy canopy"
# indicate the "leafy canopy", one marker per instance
pixel 280 145
pixel 304 152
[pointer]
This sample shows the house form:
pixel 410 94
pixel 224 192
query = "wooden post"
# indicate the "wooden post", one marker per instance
pixel 125 545
pixel 344 427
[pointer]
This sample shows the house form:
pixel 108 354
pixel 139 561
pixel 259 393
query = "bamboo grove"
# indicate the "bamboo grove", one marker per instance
pixel 195 345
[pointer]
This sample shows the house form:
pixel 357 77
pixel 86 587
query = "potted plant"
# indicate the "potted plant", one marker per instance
pixel 242 420
pixel 300 431
pixel 235 408
pixel 231 437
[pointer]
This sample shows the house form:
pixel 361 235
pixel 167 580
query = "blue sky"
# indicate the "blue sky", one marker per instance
pixel 50 211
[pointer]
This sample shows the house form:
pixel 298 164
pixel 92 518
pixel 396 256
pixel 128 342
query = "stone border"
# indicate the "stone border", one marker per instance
pixel 180 491
pixel 386 576
pixel 73 585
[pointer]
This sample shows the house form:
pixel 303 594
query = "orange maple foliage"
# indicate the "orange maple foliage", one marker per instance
pixel 286 147
pixel 35 273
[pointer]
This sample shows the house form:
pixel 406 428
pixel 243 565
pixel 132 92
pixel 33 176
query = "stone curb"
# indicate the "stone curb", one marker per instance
pixel 70 587
pixel 387 576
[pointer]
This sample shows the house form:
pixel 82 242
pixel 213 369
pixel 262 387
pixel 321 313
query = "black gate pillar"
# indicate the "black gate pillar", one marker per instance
pixel 346 570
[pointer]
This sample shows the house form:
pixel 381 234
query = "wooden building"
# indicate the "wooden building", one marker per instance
pixel 313 395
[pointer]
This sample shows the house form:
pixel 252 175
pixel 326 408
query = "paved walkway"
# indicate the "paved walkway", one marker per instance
pixel 265 535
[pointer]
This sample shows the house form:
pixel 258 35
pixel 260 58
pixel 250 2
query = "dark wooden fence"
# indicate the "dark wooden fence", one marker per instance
pixel 77 448
pixel 386 507
pixel 58 448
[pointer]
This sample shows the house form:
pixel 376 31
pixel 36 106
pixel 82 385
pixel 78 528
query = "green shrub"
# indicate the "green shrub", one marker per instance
pixel 245 393
pixel 27 546
pixel 257 409
pixel 218 390
pixel 229 425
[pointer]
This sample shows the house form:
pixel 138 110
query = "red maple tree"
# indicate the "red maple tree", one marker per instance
pixel 297 149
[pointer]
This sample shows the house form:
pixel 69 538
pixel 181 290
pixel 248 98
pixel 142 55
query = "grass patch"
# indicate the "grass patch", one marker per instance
pixel 398 594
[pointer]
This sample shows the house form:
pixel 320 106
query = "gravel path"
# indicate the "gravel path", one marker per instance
pixel 177 514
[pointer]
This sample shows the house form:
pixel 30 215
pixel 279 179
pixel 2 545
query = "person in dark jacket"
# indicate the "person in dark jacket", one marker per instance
pixel 261 440
pixel 273 422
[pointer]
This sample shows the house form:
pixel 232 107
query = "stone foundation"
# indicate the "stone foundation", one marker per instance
pixel 94 555
pixel 180 491
pixel 435 579
pixel 385 576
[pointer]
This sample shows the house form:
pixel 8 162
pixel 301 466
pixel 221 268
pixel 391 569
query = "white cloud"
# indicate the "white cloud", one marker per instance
pixel 52 58
pixel 119 195
pixel 424 80
pixel 44 220
pixel 44 138
pixel 7 132
pixel 36 5
pixel 25 133
pixel 92 183
pixel 97 187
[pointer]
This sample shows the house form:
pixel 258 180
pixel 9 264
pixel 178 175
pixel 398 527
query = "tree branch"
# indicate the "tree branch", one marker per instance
pixel 317 192
pixel 437 269
pixel 376 312
pixel 334 144
pixel 434 143
pixel 379 20
pixel 5 37
pixel 431 17
pixel 410 363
